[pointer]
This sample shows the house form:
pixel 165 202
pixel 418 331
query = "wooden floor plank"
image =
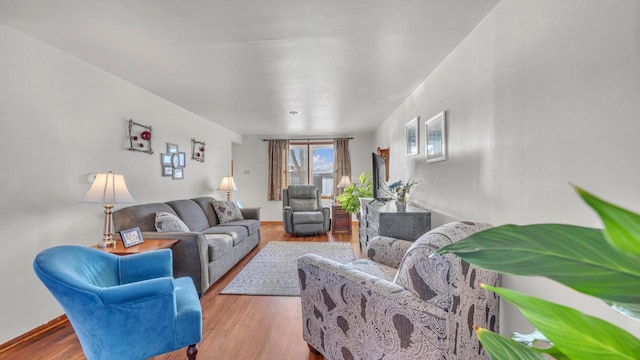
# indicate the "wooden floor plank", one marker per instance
pixel 236 327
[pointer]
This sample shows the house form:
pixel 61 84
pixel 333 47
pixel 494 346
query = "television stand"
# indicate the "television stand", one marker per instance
pixel 381 200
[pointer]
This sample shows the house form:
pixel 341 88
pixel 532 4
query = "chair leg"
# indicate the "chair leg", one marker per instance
pixel 192 351
pixel 313 350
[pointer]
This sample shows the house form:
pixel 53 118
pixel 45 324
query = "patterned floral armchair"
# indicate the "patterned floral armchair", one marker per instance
pixel 399 303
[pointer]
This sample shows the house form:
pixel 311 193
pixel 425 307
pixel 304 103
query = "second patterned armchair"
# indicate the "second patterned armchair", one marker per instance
pixel 399 303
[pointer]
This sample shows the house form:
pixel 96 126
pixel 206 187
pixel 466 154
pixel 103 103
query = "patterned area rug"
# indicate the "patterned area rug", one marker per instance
pixel 274 270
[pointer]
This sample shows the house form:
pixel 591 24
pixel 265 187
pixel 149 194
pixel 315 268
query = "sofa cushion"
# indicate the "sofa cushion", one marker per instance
pixel 166 222
pixel 190 213
pixel 142 216
pixel 206 204
pixel 251 225
pixel 218 245
pixel 227 211
pixel 308 217
pixel 238 233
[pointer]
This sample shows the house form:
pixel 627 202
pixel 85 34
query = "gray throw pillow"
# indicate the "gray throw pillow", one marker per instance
pixel 166 222
pixel 227 211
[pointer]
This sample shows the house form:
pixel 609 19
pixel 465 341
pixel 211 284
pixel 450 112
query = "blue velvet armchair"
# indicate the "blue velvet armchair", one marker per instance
pixel 123 307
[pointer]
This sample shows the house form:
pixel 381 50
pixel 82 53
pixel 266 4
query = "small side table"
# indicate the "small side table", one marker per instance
pixel 147 245
pixel 341 220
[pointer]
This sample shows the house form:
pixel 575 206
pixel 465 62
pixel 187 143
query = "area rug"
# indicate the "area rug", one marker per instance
pixel 274 270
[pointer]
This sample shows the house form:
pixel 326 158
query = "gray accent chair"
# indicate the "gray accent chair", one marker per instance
pixel 399 303
pixel 302 211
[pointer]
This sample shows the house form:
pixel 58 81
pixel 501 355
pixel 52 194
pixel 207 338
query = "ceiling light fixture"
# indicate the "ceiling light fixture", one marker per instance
pixel 293 112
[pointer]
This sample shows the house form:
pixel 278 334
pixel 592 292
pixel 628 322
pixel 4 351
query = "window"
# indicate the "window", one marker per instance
pixel 316 169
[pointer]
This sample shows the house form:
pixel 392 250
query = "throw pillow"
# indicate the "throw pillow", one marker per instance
pixel 167 222
pixel 227 211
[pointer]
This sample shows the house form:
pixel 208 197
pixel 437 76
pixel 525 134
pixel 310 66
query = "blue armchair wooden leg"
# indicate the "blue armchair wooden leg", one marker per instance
pixel 192 351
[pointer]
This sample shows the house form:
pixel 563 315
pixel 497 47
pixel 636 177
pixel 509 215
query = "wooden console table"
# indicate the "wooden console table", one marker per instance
pixel 147 245
pixel 377 218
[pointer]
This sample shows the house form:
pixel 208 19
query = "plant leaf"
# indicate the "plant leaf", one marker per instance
pixel 575 256
pixel 499 347
pixel 538 338
pixel 621 226
pixel 577 335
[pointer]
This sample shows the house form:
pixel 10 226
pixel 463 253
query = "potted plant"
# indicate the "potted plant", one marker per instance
pixel 401 191
pixel 601 263
pixel 349 199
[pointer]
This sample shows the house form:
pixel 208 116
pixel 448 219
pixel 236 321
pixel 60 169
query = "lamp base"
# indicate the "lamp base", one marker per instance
pixel 106 243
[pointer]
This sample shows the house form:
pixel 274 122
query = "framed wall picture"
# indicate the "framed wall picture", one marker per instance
pixel 178 174
pixel 411 137
pixel 436 138
pixel 167 170
pixel 165 159
pixel 172 148
pixel 131 237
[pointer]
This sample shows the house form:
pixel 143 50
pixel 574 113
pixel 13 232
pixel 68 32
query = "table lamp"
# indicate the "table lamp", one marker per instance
pixel 227 184
pixel 108 189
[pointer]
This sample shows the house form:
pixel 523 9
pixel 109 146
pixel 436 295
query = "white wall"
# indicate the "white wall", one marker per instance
pixel 251 171
pixel 61 119
pixel 540 94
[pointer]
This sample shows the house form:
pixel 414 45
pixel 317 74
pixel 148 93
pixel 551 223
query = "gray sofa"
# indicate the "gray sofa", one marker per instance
pixel 209 249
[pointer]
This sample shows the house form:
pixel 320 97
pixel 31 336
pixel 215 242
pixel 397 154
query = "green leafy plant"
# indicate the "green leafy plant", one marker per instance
pixel 349 199
pixel 601 263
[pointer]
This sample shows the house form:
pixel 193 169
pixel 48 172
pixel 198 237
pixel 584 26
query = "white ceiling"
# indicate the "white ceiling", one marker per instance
pixel 344 65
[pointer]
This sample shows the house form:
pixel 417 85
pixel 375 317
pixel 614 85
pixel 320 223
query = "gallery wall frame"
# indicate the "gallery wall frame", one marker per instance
pixel 435 144
pixel 412 137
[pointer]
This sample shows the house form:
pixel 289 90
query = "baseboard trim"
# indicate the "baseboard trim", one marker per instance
pixel 270 222
pixel 60 321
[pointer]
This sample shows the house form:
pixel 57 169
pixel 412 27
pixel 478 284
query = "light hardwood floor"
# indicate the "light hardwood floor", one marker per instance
pixel 235 327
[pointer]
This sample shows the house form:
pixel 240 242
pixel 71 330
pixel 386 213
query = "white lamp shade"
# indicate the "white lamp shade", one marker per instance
pixel 344 182
pixel 108 188
pixel 227 184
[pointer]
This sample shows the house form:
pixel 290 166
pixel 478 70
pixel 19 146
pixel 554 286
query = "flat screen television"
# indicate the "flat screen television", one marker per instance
pixel 378 174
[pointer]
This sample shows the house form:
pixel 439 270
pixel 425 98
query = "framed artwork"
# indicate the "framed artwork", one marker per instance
pixel 411 137
pixel 178 174
pixel 131 237
pixel 172 148
pixel 197 150
pixel 167 170
pixel 165 159
pixel 436 138
pixel 182 162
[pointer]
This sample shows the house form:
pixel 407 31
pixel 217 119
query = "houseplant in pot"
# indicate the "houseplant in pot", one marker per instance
pixel 349 199
pixel 601 263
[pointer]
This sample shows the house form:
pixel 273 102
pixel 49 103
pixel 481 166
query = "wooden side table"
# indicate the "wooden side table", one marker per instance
pixel 147 245
pixel 340 220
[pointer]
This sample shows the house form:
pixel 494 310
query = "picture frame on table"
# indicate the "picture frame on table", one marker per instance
pixel 131 237
pixel 411 137
pixel 436 138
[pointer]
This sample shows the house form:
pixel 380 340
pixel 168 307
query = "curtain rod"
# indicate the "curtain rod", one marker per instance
pixel 312 139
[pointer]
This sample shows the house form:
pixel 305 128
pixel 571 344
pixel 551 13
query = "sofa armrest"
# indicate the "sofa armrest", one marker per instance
pixel 190 256
pixel 387 250
pixel 251 213
pixel 337 299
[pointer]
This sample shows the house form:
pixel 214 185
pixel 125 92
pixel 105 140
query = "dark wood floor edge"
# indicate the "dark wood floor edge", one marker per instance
pixel 269 222
pixel 60 321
